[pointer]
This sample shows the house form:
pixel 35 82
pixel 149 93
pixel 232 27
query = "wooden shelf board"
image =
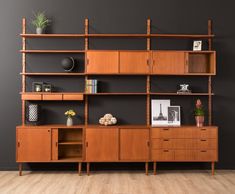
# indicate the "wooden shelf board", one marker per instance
pixel 71 143
pixel 71 159
pixel 175 94
pixel 186 74
pixel 52 51
pixel 122 35
pixel 109 94
pixel 52 74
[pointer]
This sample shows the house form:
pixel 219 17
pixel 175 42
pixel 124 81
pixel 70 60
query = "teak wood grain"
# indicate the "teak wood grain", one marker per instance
pixel 102 62
pixel 134 144
pixel 54 144
pixel 168 62
pixel 101 144
pixel 134 62
pixel 33 145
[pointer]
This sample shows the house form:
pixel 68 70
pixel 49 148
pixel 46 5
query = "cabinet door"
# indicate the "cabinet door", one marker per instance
pixel 54 144
pixel 168 62
pixel 101 144
pixel 33 145
pixel 134 62
pixel 134 144
pixel 102 62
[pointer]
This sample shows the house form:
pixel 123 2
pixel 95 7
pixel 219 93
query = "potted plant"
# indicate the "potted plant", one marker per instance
pixel 40 22
pixel 70 114
pixel 199 114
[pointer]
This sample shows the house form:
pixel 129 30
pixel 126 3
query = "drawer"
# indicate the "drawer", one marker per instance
pixel 206 132
pixel 162 144
pixel 162 132
pixel 184 155
pixel 52 97
pixel 185 144
pixel 31 97
pixel 72 97
pixel 163 155
pixel 206 155
pixel 209 144
pixel 176 132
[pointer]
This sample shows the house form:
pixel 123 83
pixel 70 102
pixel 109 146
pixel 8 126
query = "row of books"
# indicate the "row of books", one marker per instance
pixel 91 86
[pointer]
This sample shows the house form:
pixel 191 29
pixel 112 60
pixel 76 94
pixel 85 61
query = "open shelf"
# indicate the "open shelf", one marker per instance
pixel 52 74
pixel 71 143
pixel 110 94
pixel 52 51
pixel 70 159
pixel 183 94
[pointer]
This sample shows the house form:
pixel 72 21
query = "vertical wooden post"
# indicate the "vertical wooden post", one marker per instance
pixel 23 68
pixel 20 169
pixel 146 168
pixel 79 168
pixel 88 168
pixel 212 168
pixel 154 168
pixel 209 78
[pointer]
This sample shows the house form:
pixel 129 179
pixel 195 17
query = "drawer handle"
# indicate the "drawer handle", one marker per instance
pixel 86 144
pixel 203 139
pixel 166 140
pixel 203 129
pixel 203 150
pixel 165 150
pixel 165 129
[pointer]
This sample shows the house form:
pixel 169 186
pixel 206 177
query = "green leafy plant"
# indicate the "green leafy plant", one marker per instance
pixel 40 20
pixel 199 108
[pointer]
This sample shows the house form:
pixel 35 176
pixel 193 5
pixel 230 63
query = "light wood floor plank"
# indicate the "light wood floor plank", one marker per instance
pixel 165 182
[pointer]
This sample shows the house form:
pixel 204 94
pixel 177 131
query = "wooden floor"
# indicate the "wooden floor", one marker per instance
pixel 172 182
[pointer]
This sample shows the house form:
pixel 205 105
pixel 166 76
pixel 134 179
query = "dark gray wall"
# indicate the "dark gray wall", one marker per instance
pixel 122 16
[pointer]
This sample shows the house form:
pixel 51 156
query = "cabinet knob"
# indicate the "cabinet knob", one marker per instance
pixel 148 144
pixel 18 144
pixel 86 144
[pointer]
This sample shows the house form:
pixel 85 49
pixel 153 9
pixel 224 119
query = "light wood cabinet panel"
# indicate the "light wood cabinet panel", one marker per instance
pixel 31 96
pixel 168 62
pixel 210 144
pixel 102 144
pixel 184 155
pixel 134 62
pixel 33 145
pixel 103 62
pixel 206 155
pixel 72 97
pixel 54 144
pixel 134 144
pixel 52 97
pixel 206 132
pixel 162 143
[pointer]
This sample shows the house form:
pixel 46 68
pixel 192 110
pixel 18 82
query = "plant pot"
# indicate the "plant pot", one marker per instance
pixel 199 121
pixel 69 121
pixel 39 30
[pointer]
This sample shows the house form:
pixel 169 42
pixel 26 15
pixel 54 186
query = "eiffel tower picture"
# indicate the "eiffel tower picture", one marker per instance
pixel 161 116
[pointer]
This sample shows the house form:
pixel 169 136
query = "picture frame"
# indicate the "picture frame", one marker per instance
pixel 47 87
pixel 159 112
pixel 37 87
pixel 197 45
pixel 174 117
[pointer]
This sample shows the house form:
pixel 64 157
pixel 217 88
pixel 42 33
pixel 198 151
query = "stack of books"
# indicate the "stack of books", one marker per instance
pixel 91 86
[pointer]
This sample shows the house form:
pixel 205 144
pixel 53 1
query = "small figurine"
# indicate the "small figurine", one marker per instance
pixel 108 119
pixel 183 89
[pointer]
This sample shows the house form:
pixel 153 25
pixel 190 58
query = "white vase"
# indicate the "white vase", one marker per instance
pixel 39 30
pixel 69 121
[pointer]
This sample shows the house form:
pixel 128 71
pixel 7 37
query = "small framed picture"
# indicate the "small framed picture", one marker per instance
pixel 159 112
pixel 197 45
pixel 174 115
pixel 37 87
pixel 47 88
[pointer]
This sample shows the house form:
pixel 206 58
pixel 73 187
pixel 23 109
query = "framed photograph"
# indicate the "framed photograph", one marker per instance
pixel 174 115
pixel 47 88
pixel 37 86
pixel 159 112
pixel 197 45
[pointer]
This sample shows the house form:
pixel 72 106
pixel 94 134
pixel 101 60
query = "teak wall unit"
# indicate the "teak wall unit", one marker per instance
pixel 121 143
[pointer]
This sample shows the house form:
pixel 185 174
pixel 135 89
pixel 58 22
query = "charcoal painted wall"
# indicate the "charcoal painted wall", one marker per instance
pixel 122 16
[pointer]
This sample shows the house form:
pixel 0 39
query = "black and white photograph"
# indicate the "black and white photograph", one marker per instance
pixel 160 112
pixel 197 45
pixel 174 115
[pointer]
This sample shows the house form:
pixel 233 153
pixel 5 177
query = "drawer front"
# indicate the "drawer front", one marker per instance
pixel 72 97
pixel 163 155
pixel 184 155
pixel 206 155
pixel 206 144
pixel 31 97
pixel 162 143
pixel 162 133
pixel 183 132
pixel 184 144
pixel 206 132
pixel 52 97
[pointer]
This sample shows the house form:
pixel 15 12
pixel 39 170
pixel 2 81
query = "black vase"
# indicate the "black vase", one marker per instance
pixel 68 64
